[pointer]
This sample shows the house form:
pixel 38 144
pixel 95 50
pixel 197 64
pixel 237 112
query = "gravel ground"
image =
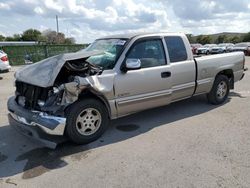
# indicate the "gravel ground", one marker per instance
pixel 186 144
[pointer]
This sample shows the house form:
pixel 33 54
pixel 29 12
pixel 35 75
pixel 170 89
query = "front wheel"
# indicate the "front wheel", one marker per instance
pixel 86 121
pixel 220 90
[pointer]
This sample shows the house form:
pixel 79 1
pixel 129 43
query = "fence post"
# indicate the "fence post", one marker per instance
pixel 46 51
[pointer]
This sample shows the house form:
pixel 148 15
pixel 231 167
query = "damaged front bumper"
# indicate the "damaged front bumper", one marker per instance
pixel 41 126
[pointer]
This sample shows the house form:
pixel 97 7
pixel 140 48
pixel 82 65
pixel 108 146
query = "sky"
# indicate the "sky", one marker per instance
pixel 86 20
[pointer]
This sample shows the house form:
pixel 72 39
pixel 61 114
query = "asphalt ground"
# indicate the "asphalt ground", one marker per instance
pixel 186 144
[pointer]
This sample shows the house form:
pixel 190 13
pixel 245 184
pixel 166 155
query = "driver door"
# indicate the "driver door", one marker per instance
pixel 147 87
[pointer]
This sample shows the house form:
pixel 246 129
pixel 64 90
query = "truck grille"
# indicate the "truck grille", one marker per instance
pixel 31 93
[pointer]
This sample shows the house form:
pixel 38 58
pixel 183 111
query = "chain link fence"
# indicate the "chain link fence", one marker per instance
pixel 18 55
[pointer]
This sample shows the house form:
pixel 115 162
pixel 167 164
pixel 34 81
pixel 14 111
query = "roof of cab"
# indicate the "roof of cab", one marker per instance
pixel 132 35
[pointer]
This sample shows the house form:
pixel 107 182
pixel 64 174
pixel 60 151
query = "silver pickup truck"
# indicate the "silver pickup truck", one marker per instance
pixel 76 95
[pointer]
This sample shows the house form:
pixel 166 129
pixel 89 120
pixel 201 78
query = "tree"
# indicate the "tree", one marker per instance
pixel 48 36
pixel 2 38
pixel 52 37
pixel 190 38
pixel 199 39
pixel 221 39
pixel 70 40
pixel 9 39
pixel 234 39
pixel 246 37
pixel 31 35
pixel 204 39
pixel 17 37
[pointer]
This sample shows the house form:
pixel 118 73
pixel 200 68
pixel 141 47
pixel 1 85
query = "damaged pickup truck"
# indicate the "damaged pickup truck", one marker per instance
pixel 75 95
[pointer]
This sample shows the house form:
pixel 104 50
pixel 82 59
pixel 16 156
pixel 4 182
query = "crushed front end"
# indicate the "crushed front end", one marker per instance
pixel 38 107
pixel 28 114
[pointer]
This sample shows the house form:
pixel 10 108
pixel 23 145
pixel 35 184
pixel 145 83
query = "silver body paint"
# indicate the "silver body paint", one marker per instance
pixel 137 90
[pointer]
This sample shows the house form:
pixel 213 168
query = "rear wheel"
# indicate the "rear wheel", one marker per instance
pixel 220 90
pixel 86 121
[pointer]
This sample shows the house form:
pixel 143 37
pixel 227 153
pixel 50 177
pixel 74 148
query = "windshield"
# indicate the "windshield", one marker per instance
pixel 222 45
pixel 111 50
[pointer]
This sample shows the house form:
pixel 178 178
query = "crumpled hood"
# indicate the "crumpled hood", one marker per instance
pixel 44 73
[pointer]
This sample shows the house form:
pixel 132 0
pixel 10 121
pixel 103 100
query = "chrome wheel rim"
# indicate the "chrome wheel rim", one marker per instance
pixel 221 90
pixel 88 121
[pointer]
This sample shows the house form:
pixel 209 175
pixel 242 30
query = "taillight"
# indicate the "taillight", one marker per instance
pixel 4 58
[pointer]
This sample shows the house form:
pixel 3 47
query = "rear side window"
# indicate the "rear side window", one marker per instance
pixel 176 49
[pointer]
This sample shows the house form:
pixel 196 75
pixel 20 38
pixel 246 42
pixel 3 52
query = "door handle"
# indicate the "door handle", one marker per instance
pixel 165 74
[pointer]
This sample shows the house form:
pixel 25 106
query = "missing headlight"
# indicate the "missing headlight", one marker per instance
pixel 21 101
pixel 40 103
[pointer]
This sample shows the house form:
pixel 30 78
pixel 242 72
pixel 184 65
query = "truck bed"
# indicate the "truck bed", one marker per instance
pixel 209 66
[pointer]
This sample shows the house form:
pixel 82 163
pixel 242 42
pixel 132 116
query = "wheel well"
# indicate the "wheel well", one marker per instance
pixel 91 94
pixel 228 73
pixel 94 95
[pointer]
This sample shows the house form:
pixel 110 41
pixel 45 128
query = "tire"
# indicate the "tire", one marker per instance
pixel 220 90
pixel 86 121
pixel 207 52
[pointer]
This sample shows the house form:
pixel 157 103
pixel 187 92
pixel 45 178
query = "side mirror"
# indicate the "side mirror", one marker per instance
pixel 133 64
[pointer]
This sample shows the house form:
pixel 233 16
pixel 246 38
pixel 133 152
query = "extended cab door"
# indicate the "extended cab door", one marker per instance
pixel 182 67
pixel 149 86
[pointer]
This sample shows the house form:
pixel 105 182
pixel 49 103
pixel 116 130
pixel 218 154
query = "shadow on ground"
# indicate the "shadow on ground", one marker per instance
pixel 234 94
pixel 41 160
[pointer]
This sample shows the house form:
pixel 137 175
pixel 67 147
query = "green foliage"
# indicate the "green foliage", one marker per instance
pixel 9 39
pixel 52 37
pixel 221 39
pixel 190 38
pixel 246 37
pixel 204 39
pixel 31 35
pixel 234 39
pixel 48 36
pixel 17 37
pixel 70 40
pixel 2 38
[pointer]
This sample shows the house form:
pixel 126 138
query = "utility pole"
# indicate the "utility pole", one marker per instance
pixel 57 26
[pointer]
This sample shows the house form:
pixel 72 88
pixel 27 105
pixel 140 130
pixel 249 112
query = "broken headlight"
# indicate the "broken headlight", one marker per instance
pixel 56 90
pixel 21 101
pixel 40 103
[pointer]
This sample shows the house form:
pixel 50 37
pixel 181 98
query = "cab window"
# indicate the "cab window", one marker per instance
pixel 176 49
pixel 150 52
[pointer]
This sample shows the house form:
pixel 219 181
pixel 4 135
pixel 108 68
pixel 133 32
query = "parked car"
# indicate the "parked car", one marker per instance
pixel 222 48
pixel 4 62
pixel 244 47
pixel 206 49
pixel 194 47
pixel 75 95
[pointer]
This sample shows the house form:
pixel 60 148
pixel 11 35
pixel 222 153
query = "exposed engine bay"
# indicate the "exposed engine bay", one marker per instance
pixel 79 67
pixel 66 89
